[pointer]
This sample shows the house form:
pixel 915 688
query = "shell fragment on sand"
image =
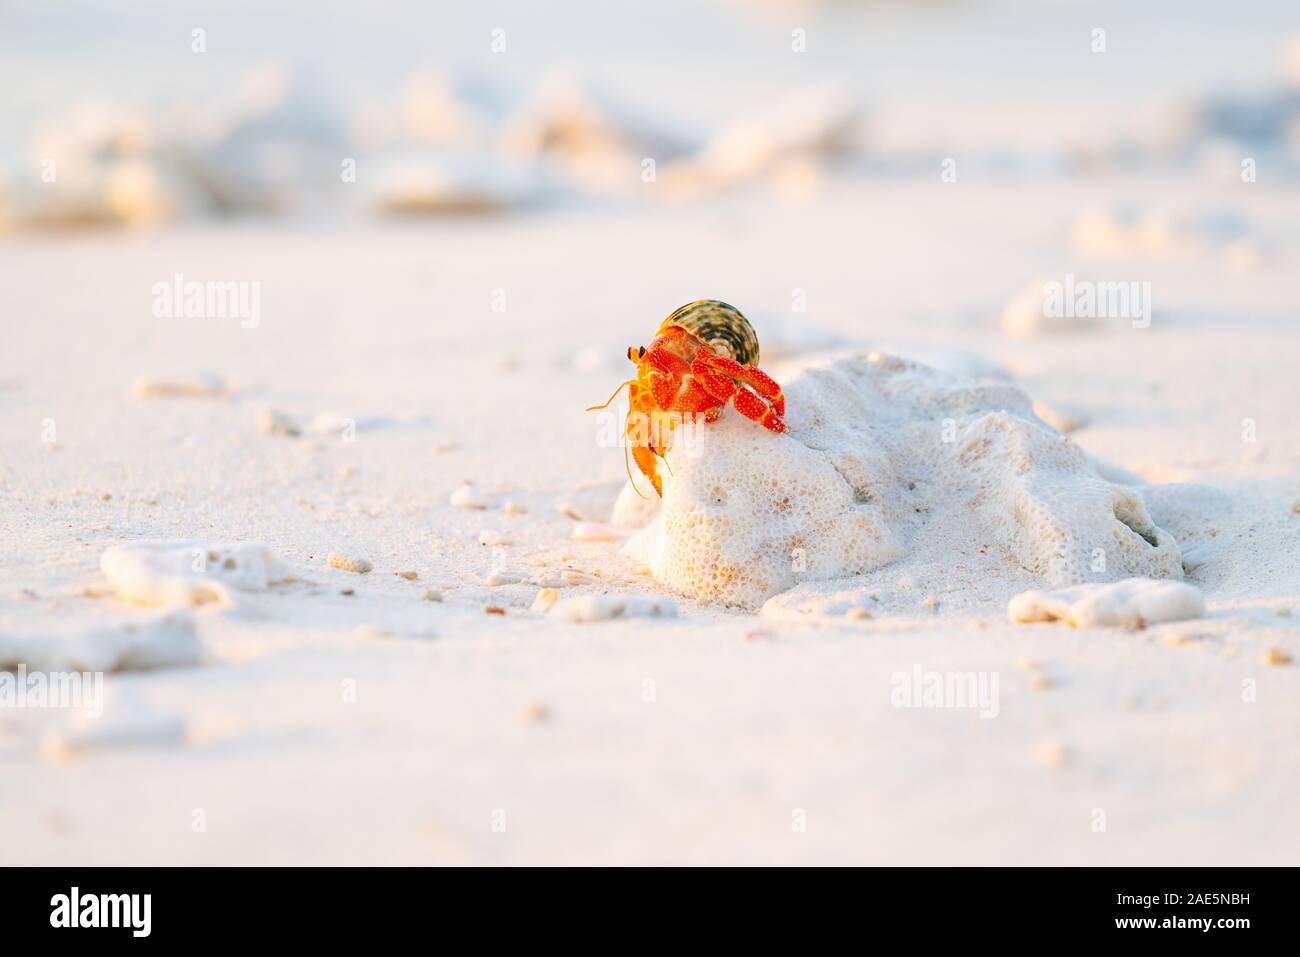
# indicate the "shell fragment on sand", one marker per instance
pixel 545 600
pixel 503 576
pixel 181 572
pixel 204 385
pixel 466 496
pixel 275 422
pixel 1132 603
pixel 810 602
pixel 589 608
pixel 349 563
pixel 322 425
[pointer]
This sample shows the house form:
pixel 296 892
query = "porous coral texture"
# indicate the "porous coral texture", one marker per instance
pixel 879 453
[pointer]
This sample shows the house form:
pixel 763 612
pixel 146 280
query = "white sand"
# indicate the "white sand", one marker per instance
pixel 692 738
pixel 384 411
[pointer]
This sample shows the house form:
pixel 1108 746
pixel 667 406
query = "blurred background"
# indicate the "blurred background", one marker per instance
pixel 456 218
pixel 886 174
pixel 159 112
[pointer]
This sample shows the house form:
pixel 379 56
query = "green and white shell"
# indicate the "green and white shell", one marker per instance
pixel 721 326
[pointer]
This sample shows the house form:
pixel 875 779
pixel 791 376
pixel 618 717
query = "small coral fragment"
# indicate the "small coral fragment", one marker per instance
pixel 1132 603
pixel 348 563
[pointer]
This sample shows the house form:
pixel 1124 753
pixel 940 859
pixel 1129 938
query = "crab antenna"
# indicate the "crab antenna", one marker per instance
pixel 612 397
pixel 628 465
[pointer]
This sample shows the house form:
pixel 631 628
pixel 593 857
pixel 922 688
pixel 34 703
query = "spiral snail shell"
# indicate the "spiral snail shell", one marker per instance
pixel 721 326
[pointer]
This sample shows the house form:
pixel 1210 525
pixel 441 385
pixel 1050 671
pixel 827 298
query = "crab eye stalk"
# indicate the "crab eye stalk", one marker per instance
pixel 641 354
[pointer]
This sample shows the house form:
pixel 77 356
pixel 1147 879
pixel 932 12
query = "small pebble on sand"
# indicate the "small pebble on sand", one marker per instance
pixel 514 508
pixel 410 576
pixel 1276 656
pixel 202 386
pixel 494 539
pixel 546 597
pixel 502 576
pixel 858 614
pixel 494 610
pixel 430 595
pixel 348 563
pixel 274 422
pixel 465 496
pixel 1051 754
pixel 536 713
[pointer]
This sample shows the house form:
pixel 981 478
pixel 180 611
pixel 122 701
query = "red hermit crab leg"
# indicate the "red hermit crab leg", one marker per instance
pixel 715 373
pixel 752 376
pixel 751 406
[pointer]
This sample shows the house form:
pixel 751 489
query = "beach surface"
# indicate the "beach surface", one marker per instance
pixel 408 395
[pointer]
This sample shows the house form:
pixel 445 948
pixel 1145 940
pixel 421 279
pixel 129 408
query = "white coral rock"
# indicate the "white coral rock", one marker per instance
pixel 878 452
pixel 1132 603
pixel 164 641
pixel 189 572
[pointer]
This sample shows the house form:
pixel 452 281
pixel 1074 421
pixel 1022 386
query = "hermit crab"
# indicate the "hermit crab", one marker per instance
pixel 704 355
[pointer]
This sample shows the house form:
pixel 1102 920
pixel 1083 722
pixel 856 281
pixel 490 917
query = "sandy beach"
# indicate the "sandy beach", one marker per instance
pixel 375 449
